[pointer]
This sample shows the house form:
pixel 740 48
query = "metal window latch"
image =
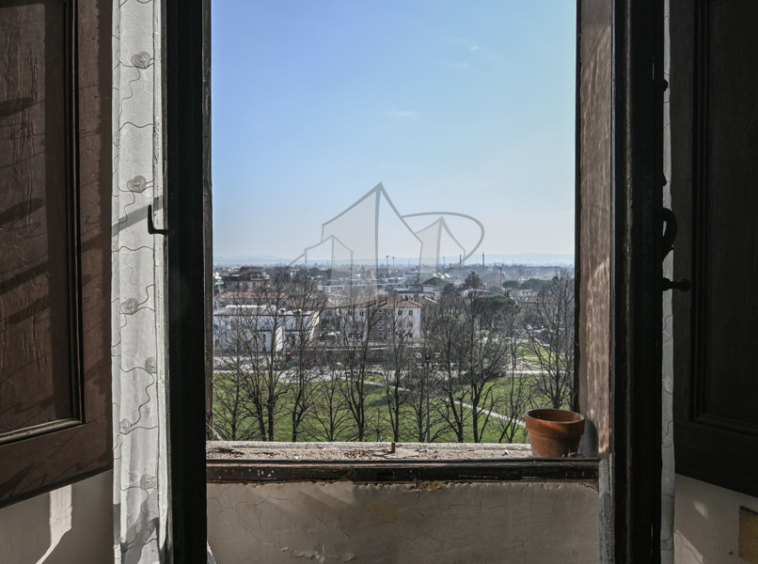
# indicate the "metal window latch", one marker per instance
pixel 667 245
pixel 660 84
pixel 684 285
pixel 151 226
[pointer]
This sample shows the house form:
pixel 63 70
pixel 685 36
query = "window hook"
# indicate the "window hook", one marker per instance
pixel 667 245
pixel 151 226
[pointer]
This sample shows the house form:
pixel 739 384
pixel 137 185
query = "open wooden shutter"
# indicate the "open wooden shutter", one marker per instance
pixel 714 131
pixel 55 139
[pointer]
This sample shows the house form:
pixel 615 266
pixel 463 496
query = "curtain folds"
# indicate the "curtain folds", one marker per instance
pixel 140 426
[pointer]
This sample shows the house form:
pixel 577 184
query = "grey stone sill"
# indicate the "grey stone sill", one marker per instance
pixel 261 462
pixel 354 451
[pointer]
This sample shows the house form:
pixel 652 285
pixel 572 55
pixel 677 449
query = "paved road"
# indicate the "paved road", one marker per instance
pixel 467 406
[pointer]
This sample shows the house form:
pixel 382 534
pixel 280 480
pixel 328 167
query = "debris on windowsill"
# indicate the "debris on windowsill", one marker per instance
pixel 304 452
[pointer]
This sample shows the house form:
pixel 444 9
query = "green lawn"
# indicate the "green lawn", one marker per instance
pixel 378 425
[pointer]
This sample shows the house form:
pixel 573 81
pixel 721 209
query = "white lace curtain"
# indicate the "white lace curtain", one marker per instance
pixel 141 500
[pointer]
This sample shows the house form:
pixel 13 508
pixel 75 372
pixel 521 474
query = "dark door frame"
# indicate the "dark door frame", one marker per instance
pixel 638 201
pixel 637 197
pixel 187 128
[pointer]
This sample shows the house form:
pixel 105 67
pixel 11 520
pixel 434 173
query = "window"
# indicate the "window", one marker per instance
pixel 619 325
pixel 612 329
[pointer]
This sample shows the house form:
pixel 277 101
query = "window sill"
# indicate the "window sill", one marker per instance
pixel 234 462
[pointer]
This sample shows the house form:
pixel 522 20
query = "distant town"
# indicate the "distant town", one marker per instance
pixel 329 352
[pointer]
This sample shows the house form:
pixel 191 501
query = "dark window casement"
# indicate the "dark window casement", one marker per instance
pixel 714 132
pixel 55 262
pixel 619 191
pixel 619 219
pixel 190 275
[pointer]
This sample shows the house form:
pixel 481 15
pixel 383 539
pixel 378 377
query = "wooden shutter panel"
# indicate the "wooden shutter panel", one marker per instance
pixel 714 127
pixel 55 178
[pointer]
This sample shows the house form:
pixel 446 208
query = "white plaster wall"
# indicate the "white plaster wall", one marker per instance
pixel 707 522
pixel 73 524
pixel 487 523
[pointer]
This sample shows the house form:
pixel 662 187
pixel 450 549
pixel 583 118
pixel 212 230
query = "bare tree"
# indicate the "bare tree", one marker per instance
pixel 232 420
pixel 303 345
pixel 512 393
pixel 473 336
pixel 251 332
pixel 357 321
pixel 377 426
pixel 485 353
pixel 551 339
pixel 445 323
pixel 422 397
pixel 420 381
pixel 232 401
pixel 329 419
pixel 516 391
pixel 515 399
pixel 396 358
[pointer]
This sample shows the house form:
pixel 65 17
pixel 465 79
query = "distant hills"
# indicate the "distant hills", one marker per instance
pixel 371 231
pixel 532 259
pixel 258 260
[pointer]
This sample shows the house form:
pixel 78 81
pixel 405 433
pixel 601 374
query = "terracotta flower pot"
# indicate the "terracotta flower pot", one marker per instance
pixel 554 433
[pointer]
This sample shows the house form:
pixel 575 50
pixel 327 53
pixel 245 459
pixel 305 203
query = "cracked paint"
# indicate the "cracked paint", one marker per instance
pixel 436 522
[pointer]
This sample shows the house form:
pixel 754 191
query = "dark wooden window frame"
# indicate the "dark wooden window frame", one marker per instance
pixel 638 307
pixel 619 217
pixel 47 456
pixel 187 129
pixel 634 153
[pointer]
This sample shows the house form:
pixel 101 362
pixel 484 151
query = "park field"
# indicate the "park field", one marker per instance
pixel 378 426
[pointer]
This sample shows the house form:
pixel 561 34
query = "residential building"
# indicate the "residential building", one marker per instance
pixel 246 329
pixel 417 292
pixel 246 279
pixel 376 318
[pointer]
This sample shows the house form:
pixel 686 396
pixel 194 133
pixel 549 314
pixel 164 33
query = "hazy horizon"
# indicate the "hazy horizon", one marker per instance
pixel 524 259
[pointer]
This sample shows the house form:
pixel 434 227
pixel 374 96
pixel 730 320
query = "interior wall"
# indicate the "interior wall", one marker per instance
pixel 437 522
pixel 71 524
pixel 707 522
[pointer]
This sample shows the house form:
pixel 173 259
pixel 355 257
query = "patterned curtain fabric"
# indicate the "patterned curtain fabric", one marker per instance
pixel 140 426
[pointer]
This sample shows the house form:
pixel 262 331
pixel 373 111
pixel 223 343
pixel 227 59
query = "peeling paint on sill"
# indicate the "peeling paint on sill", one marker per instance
pixel 433 521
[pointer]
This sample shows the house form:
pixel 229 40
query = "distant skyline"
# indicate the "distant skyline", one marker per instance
pixel 452 107
pixel 526 259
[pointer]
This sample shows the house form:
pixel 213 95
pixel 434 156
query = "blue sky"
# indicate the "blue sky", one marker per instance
pixel 454 106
